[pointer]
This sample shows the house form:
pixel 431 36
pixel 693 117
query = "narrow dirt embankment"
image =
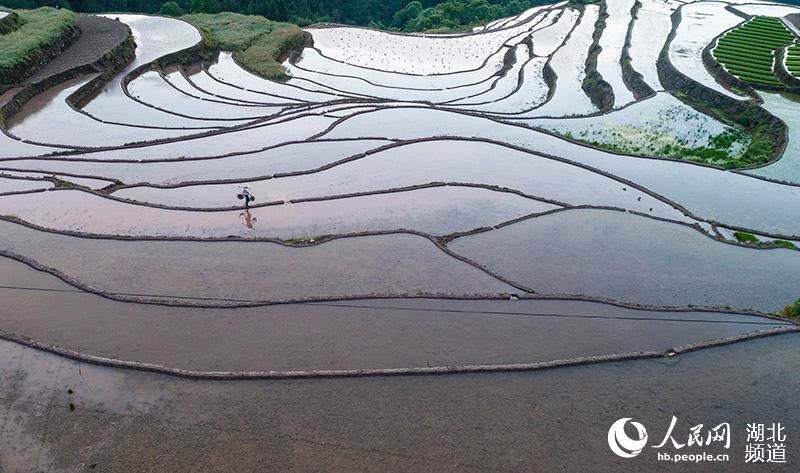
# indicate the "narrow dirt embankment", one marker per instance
pixel 632 78
pixel 596 88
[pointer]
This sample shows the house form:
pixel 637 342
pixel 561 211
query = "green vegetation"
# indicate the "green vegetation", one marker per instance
pixel 258 44
pixel 748 52
pixel 784 243
pixel 793 60
pixel 455 15
pixel 763 145
pixel 745 237
pixel 9 23
pixel 674 132
pixel 791 311
pixel 39 31
pixel 406 15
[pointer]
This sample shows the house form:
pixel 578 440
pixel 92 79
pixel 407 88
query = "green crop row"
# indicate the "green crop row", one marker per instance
pixel 772 38
pixel 748 51
pixel 742 56
pixel 749 44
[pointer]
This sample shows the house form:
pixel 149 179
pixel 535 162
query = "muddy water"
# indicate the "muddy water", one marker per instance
pixel 252 271
pixel 455 161
pixel 630 258
pixel 345 335
pixel 539 421
pixel 436 211
pixel 787 108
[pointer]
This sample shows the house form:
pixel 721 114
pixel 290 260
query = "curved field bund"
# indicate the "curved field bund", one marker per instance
pixel 748 52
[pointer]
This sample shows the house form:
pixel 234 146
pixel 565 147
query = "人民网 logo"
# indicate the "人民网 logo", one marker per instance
pixel 621 444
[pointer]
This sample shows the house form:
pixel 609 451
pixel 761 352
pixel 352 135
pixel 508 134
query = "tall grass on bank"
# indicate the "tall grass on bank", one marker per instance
pixel 40 30
pixel 258 44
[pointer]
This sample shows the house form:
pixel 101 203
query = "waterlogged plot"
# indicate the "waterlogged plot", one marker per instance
pixel 400 53
pixel 612 41
pixel 449 146
pixel 569 65
pixel 11 186
pixel 504 87
pixel 155 37
pixel 435 211
pixel 700 24
pixel 358 87
pixel 152 89
pixel 634 259
pixel 227 273
pixel 48 119
pixel 14 148
pixel 650 31
pixel 529 94
pixel 787 168
pixel 659 126
pixel 254 138
pixel 730 198
pixel 206 84
pixel 60 179
pixel 755 9
pixel 547 40
pixel 284 158
pixel 226 70
pixel 466 162
pixel 312 60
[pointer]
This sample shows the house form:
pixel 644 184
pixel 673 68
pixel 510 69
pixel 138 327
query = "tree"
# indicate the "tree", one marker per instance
pixel 171 9
pixel 198 6
pixel 407 14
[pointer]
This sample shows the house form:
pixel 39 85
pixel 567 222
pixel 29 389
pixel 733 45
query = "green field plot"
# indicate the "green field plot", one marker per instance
pixel 793 60
pixel 748 52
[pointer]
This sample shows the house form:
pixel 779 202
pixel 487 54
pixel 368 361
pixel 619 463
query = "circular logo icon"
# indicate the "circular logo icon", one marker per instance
pixel 622 445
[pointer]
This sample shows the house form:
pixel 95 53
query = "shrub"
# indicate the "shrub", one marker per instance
pixel 745 237
pixel 791 311
pixel 784 243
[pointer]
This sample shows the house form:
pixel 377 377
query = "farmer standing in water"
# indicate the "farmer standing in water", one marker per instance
pixel 246 195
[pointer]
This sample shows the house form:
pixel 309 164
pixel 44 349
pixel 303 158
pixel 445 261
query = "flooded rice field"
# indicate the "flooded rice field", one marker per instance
pixel 547 155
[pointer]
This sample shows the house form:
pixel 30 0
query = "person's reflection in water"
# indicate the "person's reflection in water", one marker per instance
pixel 249 220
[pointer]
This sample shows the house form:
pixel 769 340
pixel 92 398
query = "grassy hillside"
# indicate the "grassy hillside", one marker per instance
pixel 258 44
pixel 40 31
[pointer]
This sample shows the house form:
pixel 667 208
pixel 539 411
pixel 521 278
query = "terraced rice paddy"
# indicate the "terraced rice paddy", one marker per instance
pixel 793 60
pixel 548 155
pixel 748 52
